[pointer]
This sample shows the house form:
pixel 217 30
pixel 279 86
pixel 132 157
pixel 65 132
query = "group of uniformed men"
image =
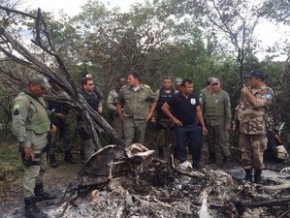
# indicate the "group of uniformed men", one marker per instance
pixel 132 106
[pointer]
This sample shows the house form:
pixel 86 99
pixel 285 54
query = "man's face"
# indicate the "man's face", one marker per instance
pixel 252 81
pixel 37 90
pixel 187 88
pixel 215 87
pixel 167 84
pixel 132 81
pixel 89 86
pixel 122 82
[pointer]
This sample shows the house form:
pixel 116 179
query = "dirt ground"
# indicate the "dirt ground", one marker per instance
pixel 56 181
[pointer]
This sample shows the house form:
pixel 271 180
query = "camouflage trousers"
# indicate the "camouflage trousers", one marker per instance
pixel 63 133
pixel 134 131
pixel 33 175
pixel 118 125
pixel 166 138
pixel 217 135
pixel 252 150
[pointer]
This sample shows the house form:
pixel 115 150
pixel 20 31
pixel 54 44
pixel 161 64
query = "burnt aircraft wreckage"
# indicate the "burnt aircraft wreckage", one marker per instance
pixel 131 182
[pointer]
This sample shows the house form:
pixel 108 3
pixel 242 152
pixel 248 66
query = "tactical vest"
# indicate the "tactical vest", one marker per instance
pixel 38 120
pixel 163 97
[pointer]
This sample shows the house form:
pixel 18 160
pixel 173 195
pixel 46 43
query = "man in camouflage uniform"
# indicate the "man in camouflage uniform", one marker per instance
pixel 252 118
pixel 165 126
pixel 216 108
pixel 30 125
pixel 111 104
pixel 59 119
pixel 135 105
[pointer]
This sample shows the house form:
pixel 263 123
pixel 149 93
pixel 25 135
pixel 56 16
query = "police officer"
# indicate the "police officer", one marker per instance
pixel 138 102
pixel 59 119
pixel 111 104
pixel 30 125
pixel 87 147
pixel 183 108
pixel 165 126
pixel 216 108
pixel 252 113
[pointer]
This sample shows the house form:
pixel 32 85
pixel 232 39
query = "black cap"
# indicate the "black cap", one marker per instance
pixel 257 73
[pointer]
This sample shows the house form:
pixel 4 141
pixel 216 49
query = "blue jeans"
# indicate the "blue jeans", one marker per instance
pixel 191 136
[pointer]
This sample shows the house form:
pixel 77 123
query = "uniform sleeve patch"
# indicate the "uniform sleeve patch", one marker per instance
pixel 16 106
pixel 16 112
pixel 269 96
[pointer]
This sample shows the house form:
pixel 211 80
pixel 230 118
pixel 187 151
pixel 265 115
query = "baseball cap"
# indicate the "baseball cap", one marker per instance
pixel 178 81
pixel 256 73
pixel 213 80
pixel 41 80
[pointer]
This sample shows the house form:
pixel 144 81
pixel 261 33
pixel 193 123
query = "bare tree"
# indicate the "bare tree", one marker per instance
pixel 16 50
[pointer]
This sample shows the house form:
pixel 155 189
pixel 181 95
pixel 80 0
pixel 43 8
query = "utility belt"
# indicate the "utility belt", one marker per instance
pixel 35 160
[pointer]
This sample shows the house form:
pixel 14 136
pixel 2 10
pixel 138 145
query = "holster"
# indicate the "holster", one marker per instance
pixel 30 161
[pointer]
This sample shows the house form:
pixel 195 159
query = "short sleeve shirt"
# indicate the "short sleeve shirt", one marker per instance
pixel 183 108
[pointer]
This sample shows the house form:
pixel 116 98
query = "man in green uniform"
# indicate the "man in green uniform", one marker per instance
pixel 217 113
pixel 111 104
pixel 135 105
pixel 252 113
pixel 30 125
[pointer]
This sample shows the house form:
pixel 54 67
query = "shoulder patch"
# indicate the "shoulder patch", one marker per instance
pixel 16 106
pixel 269 96
pixel 16 112
pixel 146 86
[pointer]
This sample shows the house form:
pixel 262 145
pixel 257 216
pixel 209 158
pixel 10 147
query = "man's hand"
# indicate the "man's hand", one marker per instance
pixel 227 127
pixel 53 129
pixel 100 110
pixel 204 130
pixel 60 116
pixel 28 153
pixel 149 117
pixel 177 122
pixel 245 89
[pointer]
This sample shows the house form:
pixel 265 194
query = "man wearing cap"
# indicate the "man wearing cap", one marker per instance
pixel 31 125
pixel 216 108
pixel 178 82
pixel 135 105
pixel 111 104
pixel 252 112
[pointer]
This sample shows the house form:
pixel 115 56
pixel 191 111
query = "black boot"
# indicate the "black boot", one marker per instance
pixel 40 194
pixel 69 158
pixel 248 176
pixel 212 158
pixel 257 176
pixel 82 154
pixel 52 161
pixel 160 152
pixel 226 162
pixel 31 210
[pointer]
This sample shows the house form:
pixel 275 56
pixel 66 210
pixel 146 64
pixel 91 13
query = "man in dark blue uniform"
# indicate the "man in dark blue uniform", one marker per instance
pixel 183 108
